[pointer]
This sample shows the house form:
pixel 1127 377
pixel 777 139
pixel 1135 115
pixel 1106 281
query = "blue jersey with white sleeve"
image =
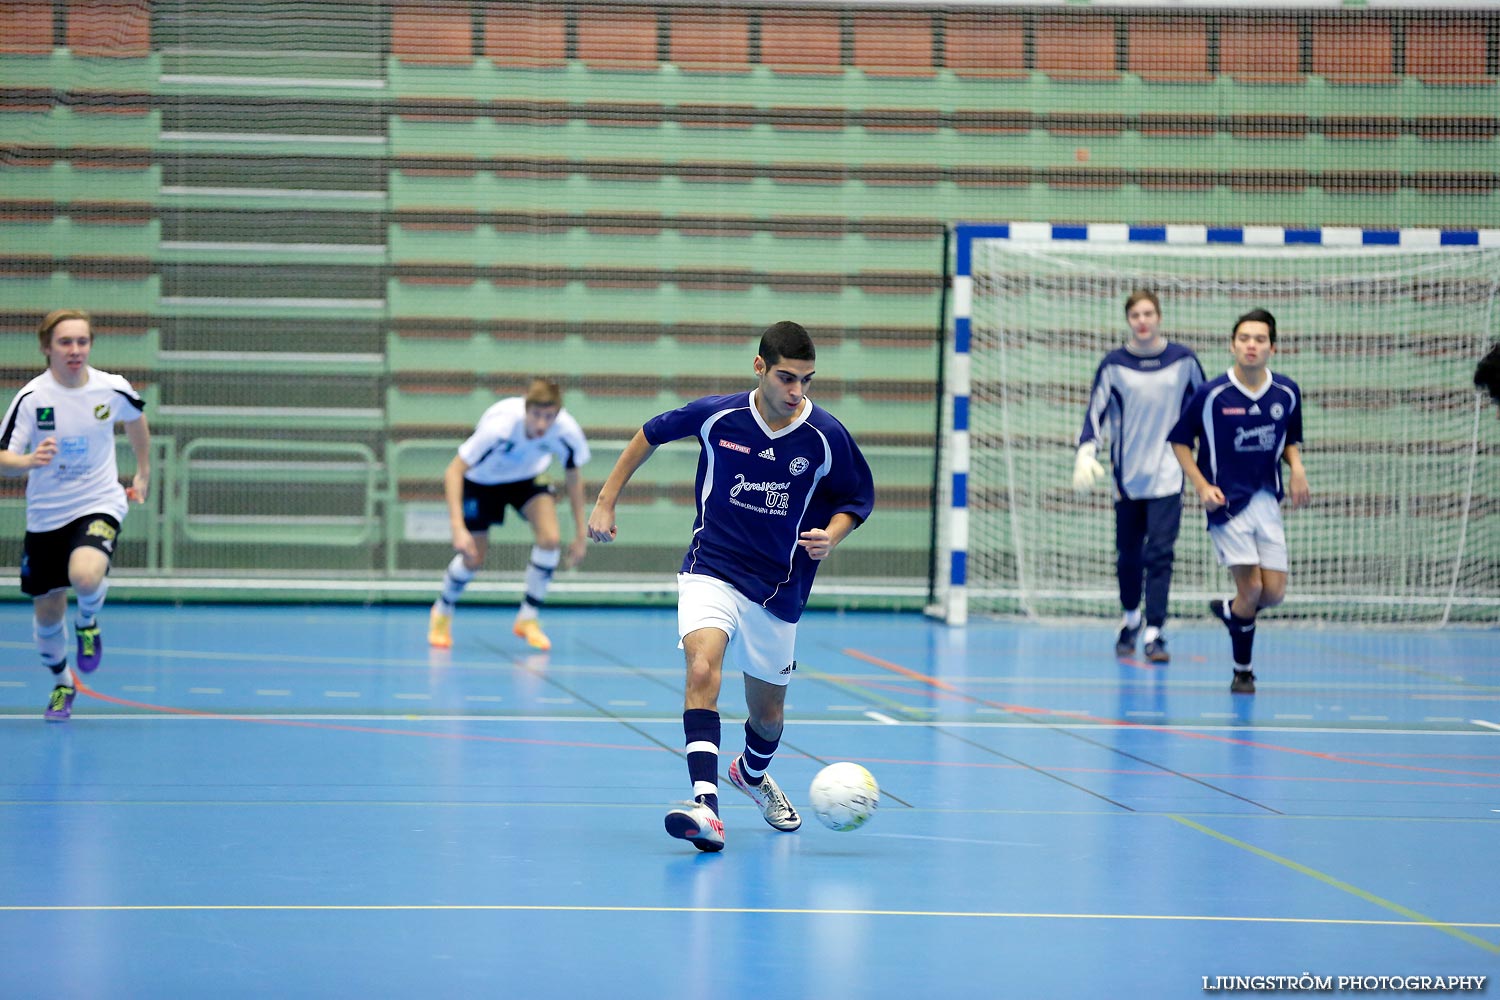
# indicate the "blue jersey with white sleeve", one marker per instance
pixel 757 490
pixel 1243 435
pixel 1134 401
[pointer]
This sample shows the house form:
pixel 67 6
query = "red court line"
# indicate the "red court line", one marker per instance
pixel 343 727
pixel 942 685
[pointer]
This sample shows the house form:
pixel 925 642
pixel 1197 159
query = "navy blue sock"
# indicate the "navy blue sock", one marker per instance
pixel 700 726
pixel 757 756
pixel 1241 638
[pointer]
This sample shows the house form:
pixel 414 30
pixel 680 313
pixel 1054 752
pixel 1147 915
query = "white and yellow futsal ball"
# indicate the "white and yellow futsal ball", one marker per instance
pixel 844 796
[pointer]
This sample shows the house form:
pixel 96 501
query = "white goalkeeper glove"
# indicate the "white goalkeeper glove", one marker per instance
pixel 1086 469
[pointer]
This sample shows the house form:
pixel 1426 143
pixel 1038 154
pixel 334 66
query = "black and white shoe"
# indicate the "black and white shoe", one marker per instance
pixel 1125 641
pixel 1243 683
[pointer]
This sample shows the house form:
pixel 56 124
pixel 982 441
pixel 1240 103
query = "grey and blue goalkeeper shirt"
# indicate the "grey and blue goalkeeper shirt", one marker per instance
pixel 1134 403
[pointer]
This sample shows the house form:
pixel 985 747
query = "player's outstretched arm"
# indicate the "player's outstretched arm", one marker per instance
pixel 453 493
pixel 42 454
pixel 1211 495
pixel 579 546
pixel 139 436
pixel 602 527
pixel 1297 489
pixel 820 542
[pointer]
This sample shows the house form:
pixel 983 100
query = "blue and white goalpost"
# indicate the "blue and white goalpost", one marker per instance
pixel 1381 327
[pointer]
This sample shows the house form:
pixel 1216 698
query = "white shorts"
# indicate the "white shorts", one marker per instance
pixel 760 644
pixel 1253 537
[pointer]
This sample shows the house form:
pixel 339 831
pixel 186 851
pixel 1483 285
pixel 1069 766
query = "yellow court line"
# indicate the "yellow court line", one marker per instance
pixel 770 911
pixel 1418 919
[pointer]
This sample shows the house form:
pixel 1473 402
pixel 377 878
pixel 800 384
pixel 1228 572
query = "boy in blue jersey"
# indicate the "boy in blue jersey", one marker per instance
pixel 1136 398
pixel 1248 421
pixel 780 483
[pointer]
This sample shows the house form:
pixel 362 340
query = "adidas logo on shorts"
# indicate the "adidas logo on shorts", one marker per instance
pixel 768 453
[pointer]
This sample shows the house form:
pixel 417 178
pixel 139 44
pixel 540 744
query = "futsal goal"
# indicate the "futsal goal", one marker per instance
pixel 1381 328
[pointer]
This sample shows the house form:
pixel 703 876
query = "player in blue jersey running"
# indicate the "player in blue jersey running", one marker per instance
pixel 1247 421
pixel 780 484
pixel 1137 396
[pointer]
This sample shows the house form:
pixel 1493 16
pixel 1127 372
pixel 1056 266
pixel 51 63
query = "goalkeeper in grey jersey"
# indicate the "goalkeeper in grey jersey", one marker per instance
pixel 1136 399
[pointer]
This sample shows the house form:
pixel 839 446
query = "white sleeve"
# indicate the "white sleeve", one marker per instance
pixel 495 426
pixel 575 443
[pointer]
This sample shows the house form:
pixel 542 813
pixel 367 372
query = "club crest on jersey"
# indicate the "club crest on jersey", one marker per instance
pixel 1277 410
pixel 46 418
pixel 101 412
pixel 742 449
pixel 769 453
pixel 798 466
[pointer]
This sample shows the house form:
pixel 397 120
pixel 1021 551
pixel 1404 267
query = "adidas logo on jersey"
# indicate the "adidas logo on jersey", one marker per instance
pixel 1255 410
pixel 768 453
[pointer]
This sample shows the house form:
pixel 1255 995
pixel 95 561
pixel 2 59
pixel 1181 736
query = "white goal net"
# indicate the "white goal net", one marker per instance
pixel 1382 330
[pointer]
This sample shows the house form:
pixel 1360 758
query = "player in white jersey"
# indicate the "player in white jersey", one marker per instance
pixel 780 484
pixel 1136 398
pixel 60 432
pixel 1248 422
pixel 498 466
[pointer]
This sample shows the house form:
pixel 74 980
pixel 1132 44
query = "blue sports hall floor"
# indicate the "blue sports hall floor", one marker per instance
pixel 306 801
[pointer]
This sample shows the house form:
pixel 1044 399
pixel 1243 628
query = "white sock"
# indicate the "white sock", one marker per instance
pixel 1151 634
pixel 1133 618
pixel 89 604
pixel 455 579
pixel 539 575
pixel 51 641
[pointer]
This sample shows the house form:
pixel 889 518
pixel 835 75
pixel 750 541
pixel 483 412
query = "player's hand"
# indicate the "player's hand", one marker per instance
pixel 1212 497
pixel 817 542
pixel 44 452
pixel 138 489
pixel 602 527
pixel 577 549
pixel 464 545
pixel 1086 468
pixel 1299 493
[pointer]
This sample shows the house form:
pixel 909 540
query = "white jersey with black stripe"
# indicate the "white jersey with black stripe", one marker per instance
pixel 83 478
pixel 500 452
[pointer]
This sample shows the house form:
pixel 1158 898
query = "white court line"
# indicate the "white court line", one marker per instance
pixel 341 694
pixel 883 719
pixel 205 690
pixel 1303 718
pixel 413 697
pixel 139 688
pixel 483 697
pixel 1442 718
pixel 622 703
pixel 1369 718
pixel 12 684
pixel 1487 725
pixel 274 692
pixel 555 701
pixel 607 720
